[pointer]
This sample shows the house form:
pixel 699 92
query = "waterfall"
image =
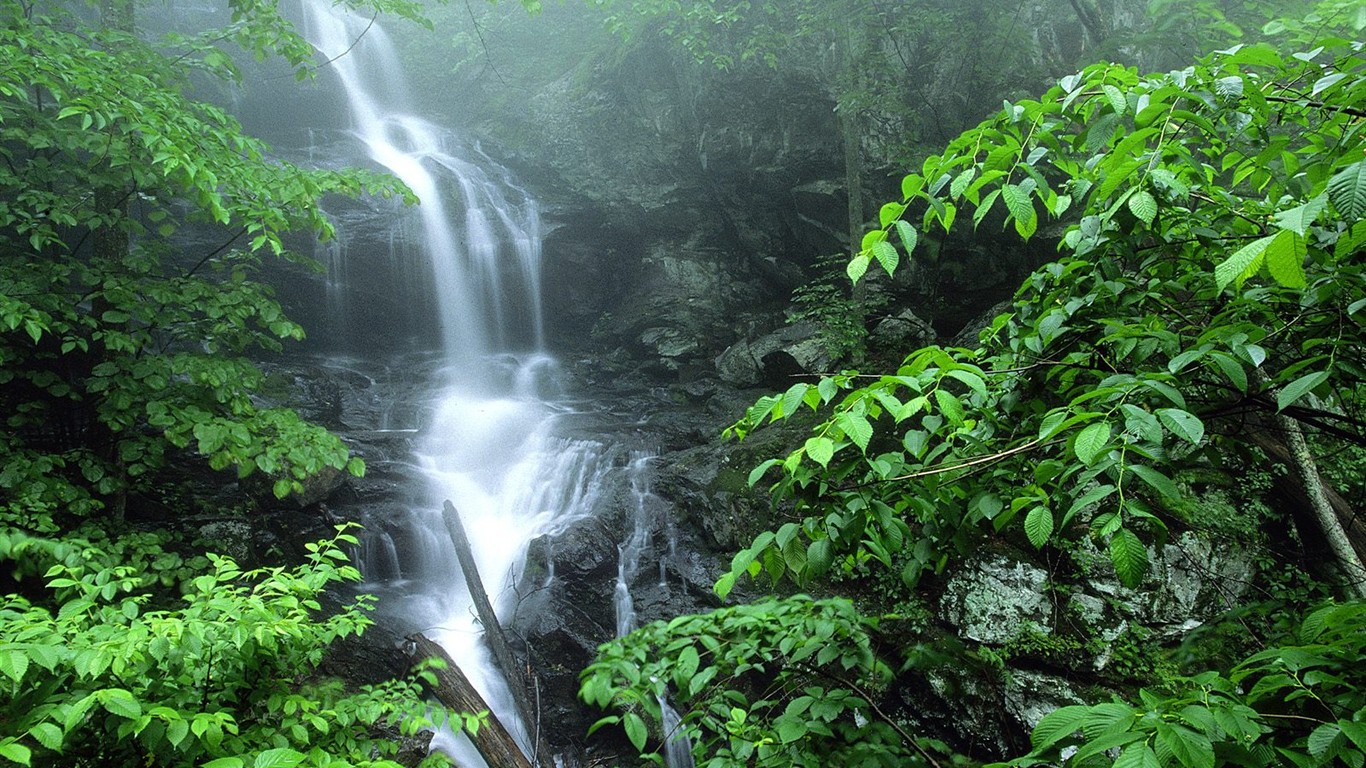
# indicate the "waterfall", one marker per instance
pixel 490 442
pixel 677 746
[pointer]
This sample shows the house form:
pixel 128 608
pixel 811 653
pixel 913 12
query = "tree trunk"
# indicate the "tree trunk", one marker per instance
pixel 517 679
pixel 454 690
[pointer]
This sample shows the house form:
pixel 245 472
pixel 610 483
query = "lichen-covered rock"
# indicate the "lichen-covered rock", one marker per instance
pixel 995 599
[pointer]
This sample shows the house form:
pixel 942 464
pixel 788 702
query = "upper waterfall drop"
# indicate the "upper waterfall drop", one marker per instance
pixel 486 272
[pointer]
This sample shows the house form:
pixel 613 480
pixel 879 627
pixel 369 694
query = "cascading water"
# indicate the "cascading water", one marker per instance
pixel 490 444
pixel 677 746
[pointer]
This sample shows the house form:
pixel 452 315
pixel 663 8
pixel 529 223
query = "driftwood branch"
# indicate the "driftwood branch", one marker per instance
pixel 493 740
pixel 517 679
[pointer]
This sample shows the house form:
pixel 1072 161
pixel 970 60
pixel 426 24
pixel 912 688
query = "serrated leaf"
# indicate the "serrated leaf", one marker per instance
pixel 1144 206
pixel 1347 191
pixel 1301 217
pixel 225 762
pixel 14 663
pixel 635 730
pixel 1159 482
pixel 1038 525
pixel 1299 388
pixel 49 735
pixel 820 450
pixel 889 213
pixel 961 182
pixel 282 757
pixel 1137 755
pixel 1285 259
pixel 1191 749
pixel 120 702
pixel 1325 741
pixel 886 255
pixel 856 428
pixel 16 753
pixel 907 233
pixel 858 267
pixel 1183 424
pixel 1232 368
pixel 1129 557
pixel 1243 263
pixel 1058 725
pixel 1116 98
pixel 1091 442
pixel 950 406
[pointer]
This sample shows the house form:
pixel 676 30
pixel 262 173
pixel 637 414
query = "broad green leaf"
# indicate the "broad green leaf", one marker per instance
pixel 1144 206
pixel 1191 749
pixel 1299 218
pixel 1183 424
pixel 1299 388
pixel 225 762
pixel 1115 97
pixel 1091 442
pixel 856 428
pixel 1347 190
pixel 1137 755
pixel 950 406
pixel 1039 525
pixel 1129 557
pixel 278 758
pixel 120 702
pixel 907 233
pixel 1159 482
pixel 889 213
pixel 1325 740
pixel 1243 263
pixel 49 735
pixel 886 255
pixel 16 753
pixel 858 266
pixel 1285 259
pixel 820 450
pixel 1058 725
pixel 635 730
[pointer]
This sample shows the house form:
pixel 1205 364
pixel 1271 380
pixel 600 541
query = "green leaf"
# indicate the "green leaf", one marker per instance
pixel 950 406
pixel 1285 259
pixel 1039 525
pixel 858 266
pixel 1159 482
pixel 856 428
pixel 1137 755
pixel 1183 424
pixel 1299 218
pixel 907 233
pixel 886 255
pixel 1325 741
pixel 1347 191
pixel 790 729
pixel 1191 750
pixel 820 450
pixel 1299 388
pixel 1116 98
pixel 225 762
pixel 635 730
pixel 14 663
pixel 1144 206
pixel 1058 725
pixel 1242 264
pixel 1129 557
pixel 16 753
pixel 1091 442
pixel 120 702
pixel 49 735
pixel 278 758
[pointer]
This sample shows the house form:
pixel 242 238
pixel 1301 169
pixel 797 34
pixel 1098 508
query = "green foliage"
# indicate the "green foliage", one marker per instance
pixel 115 348
pixel 776 683
pixel 1207 263
pixel 94 673
pixel 1299 704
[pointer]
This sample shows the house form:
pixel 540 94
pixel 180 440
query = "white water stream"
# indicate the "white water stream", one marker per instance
pixel 490 445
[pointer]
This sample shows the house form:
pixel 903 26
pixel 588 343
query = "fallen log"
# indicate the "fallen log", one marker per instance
pixel 454 690
pixel 517 679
